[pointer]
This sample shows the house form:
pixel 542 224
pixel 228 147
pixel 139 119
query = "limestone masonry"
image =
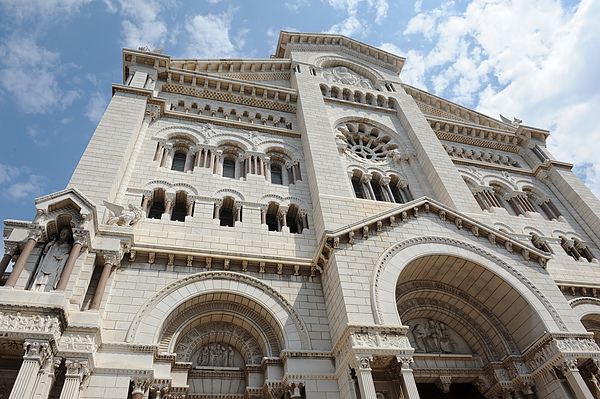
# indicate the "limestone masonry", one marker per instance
pixel 303 226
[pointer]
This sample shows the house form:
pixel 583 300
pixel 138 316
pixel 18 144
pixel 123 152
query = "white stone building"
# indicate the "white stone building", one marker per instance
pixel 303 226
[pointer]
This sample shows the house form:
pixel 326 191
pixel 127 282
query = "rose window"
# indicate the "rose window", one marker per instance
pixel 366 142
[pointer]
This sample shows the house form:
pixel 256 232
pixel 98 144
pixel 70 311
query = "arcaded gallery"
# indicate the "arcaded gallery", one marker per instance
pixel 303 225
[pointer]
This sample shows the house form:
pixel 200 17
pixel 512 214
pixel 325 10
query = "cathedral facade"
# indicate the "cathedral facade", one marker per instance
pixel 303 226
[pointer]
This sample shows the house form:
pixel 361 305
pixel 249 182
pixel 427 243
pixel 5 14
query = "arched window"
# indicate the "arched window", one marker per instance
pixel 377 189
pixel 294 220
pixel 276 174
pixel 359 191
pixel 158 204
pixel 179 161
pixel 180 210
pixel 226 215
pixel 271 219
pixel 229 168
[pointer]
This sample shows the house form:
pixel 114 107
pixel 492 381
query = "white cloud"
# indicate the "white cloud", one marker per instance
pixel 47 10
pixel 7 173
pixel 530 59
pixel 349 27
pixel 210 36
pixel 96 107
pixel 32 187
pixel 29 73
pixel 295 5
pixel 381 7
pixel 144 27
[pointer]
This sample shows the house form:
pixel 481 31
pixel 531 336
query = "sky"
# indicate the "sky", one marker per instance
pixel 538 60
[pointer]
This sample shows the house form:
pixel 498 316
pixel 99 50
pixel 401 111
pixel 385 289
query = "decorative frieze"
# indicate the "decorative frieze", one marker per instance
pixel 19 322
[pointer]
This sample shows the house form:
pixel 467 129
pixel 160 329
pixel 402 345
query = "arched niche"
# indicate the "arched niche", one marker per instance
pixel 441 278
pixel 155 317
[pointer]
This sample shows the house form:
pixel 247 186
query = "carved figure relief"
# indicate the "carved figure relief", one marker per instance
pixel 345 76
pixel 124 216
pixel 430 336
pixel 19 322
pixel 54 258
pixel 216 355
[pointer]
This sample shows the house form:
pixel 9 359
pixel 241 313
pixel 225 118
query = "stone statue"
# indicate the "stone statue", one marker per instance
pixel 419 338
pixel 216 355
pixel 54 257
pixel 124 217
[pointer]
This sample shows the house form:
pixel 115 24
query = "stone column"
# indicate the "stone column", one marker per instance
pixel 575 380
pixel 190 208
pixel 77 371
pixel 32 240
pixel 409 385
pixel 139 386
pixel 263 216
pixel 46 377
pixel 9 251
pixel 362 365
pixel 366 181
pixel 66 273
pixel 36 354
pixel 109 261
pixel 165 156
pixel 145 202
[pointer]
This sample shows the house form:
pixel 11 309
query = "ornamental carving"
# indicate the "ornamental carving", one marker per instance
pixel 433 337
pixel 19 322
pixel 217 354
pixel 77 343
pixel 345 76
pixel 380 340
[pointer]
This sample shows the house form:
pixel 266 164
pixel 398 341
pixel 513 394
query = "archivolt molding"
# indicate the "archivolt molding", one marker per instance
pixel 197 136
pixel 243 341
pixel 229 192
pixel 584 306
pixel 144 326
pixel 384 279
pixel 412 286
pixel 414 305
pixel 175 326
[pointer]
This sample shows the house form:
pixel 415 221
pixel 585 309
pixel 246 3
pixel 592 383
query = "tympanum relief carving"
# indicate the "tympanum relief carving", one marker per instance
pixel 345 76
pixel 431 336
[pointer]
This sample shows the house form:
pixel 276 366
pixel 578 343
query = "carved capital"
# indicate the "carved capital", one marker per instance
pixel 443 383
pixel 404 362
pixel 139 385
pixel 37 350
pixel 568 365
pixel 363 362
pixel 77 368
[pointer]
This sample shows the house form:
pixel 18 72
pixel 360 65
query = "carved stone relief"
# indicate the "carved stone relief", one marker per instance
pixel 16 321
pixel 345 76
pixel 376 339
pixel 431 336
pixel 216 355
pixel 194 347
pixel 77 343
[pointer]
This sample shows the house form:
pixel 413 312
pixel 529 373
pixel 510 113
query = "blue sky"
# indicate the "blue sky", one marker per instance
pixel 532 59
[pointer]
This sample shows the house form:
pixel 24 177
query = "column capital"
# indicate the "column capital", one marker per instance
pixel 37 350
pixel 568 365
pixel 113 258
pixel 10 248
pixel 77 368
pixel 404 362
pixel 362 362
pixel 366 178
pixel 139 385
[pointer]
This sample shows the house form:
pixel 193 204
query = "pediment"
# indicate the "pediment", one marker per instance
pixel 68 201
pixel 398 216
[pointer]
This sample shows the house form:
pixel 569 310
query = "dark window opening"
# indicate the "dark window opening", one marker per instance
pixel 229 168
pixel 178 162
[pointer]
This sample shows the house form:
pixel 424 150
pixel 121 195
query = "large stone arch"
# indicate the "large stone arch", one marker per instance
pixel 411 257
pixel 151 323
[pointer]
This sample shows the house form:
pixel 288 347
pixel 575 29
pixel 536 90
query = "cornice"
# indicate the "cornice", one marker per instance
pixel 396 217
pixel 324 42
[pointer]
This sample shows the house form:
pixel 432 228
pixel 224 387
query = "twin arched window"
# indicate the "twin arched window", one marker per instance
pixel 375 187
